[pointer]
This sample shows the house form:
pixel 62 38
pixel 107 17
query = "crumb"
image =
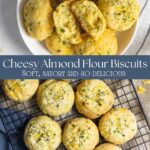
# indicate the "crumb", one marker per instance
pixel 140 90
pixel 145 82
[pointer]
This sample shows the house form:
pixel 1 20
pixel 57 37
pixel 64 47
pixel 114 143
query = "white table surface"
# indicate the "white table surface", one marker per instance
pixel 11 42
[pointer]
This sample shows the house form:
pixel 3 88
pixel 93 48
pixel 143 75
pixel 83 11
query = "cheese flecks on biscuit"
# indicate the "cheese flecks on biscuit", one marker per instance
pixel 38 18
pixel 118 126
pixel 90 17
pixel 120 14
pixel 55 97
pixel 80 134
pixel 106 44
pixel 20 90
pixel 58 47
pixel 93 98
pixel 65 24
pixel 42 133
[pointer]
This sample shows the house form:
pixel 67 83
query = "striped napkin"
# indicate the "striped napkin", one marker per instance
pixel 141 43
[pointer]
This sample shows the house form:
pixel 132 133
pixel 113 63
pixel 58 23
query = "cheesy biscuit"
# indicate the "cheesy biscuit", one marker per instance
pixel 80 134
pixel 120 14
pixel 65 24
pixel 55 97
pixel 42 133
pixel 58 47
pixel 93 98
pixel 107 146
pixel 106 44
pixel 90 17
pixel 38 18
pixel 20 90
pixel 118 126
pixel 86 47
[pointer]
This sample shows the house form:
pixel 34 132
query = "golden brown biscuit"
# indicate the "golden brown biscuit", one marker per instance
pixel 80 134
pixel 90 17
pixel 107 146
pixel 93 98
pixel 42 133
pixel 55 97
pixel 38 18
pixel 20 90
pixel 118 126
pixel 86 47
pixel 58 47
pixel 65 24
pixel 106 44
pixel 120 14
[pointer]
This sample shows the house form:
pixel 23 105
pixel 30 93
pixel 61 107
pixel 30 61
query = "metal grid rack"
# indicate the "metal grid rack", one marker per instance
pixel 15 115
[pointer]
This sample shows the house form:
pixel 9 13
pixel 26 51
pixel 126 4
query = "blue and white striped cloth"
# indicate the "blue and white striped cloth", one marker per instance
pixel 141 43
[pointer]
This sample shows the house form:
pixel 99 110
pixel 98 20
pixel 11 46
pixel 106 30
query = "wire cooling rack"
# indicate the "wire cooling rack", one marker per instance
pixel 15 115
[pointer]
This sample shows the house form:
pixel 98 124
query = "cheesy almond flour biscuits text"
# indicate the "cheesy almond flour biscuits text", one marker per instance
pixel 58 47
pixel 118 126
pixel 20 90
pixel 65 24
pixel 89 16
pixel 120 14
pixel 107 146
pixel 38 18
pixel 93 98
pixel 80 134
pixel 55 97
pixel 42 133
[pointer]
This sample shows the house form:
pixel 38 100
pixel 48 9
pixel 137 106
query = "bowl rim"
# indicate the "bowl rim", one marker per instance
pixel 132 38
pixel 34 53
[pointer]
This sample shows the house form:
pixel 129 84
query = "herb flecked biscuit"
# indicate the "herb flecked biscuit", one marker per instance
pixel 93 98
pixel 42 133
pixel 120 14
pixel 107 146
pixel 80 134
pixel 55 97
pixel 86 47
pixel 118 126
pixel 106 44
pixel 20 90
pixel 58 47
pixel 90 17
pixel 65 24
pixel 38 18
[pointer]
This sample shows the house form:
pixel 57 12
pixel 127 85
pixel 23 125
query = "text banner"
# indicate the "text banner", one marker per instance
pixel 74 67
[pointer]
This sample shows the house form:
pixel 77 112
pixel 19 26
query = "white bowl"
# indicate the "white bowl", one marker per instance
pixel 38 48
